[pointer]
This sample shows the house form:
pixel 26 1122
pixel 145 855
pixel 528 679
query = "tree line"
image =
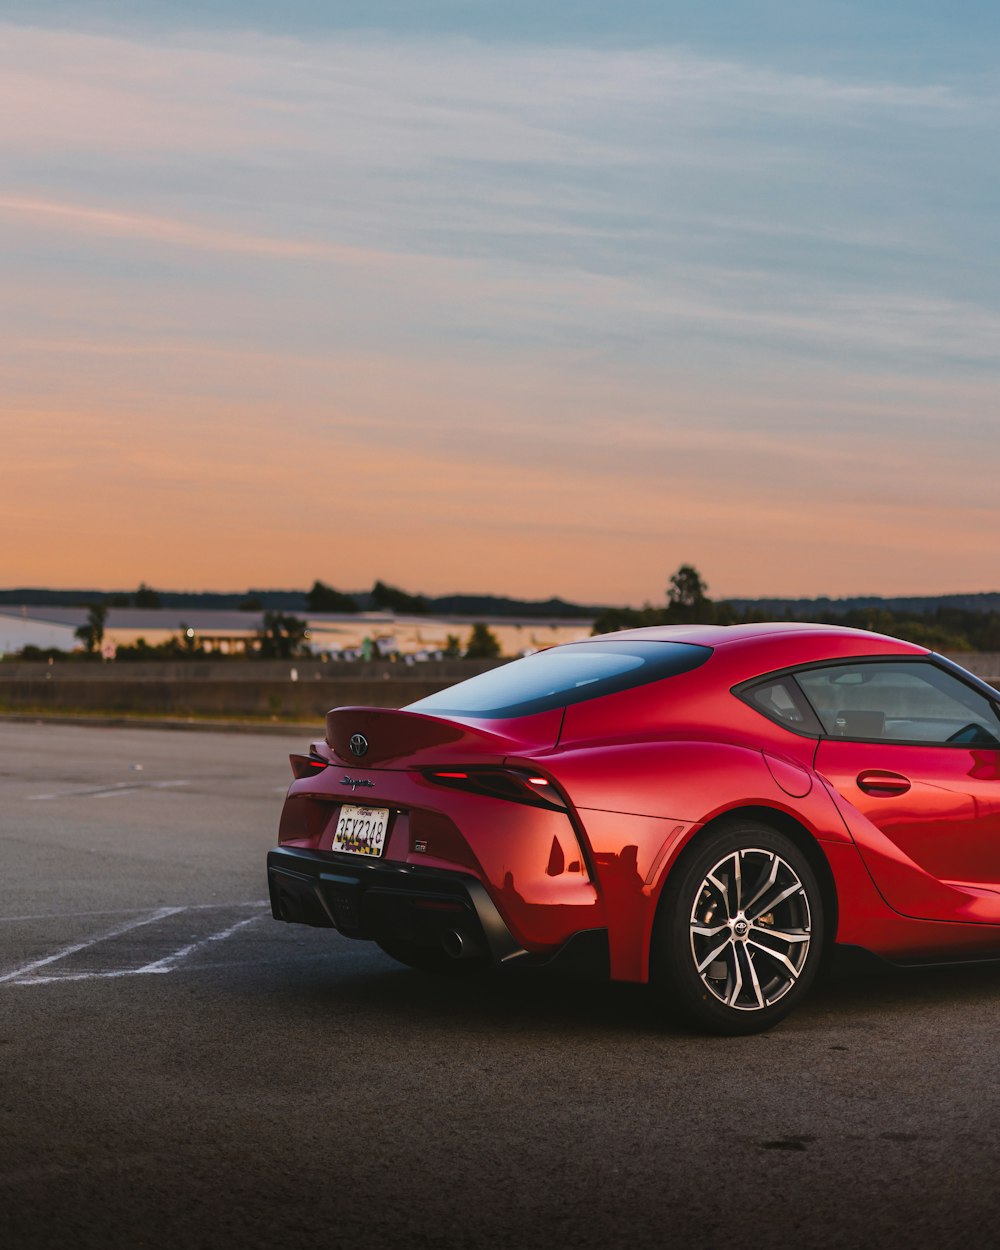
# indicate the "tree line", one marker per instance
pixel 321 597
pixel 943 628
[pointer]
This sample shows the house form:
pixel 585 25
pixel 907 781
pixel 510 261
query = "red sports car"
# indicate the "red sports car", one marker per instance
pixel 706 808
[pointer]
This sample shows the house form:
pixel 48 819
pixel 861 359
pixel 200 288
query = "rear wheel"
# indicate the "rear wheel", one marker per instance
pixel 739 936
pixel 431 958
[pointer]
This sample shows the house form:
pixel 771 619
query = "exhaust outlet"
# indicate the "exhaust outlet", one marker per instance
pixel 458 945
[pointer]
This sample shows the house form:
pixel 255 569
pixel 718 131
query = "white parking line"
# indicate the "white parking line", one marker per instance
pixel 104 792
pixel 86 976
pixel 160 914
pixel 130 911
pixel 169 962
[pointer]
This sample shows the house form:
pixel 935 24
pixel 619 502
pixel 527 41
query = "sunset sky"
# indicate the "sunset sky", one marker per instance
pixel 521 298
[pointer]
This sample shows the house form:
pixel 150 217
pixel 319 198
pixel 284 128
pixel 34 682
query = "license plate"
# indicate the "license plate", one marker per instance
pixel 361 830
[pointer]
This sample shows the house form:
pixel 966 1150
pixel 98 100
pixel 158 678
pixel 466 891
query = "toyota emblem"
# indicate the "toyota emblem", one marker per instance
pixel 359 744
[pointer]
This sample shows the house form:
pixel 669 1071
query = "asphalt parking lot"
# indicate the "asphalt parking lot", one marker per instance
pixel 177 1069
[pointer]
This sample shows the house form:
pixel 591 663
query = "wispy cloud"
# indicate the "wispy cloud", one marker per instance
pixel 164 230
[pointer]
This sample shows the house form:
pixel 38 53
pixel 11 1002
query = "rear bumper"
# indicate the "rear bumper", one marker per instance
pixel 379 899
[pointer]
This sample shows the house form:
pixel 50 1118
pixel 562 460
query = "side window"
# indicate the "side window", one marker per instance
pixel 908 701
pixel 782 701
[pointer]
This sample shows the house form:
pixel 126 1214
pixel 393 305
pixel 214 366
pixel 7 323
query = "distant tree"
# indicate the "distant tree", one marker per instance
pixel 686 589
pixel 252 603
pixel 613 619
pixel 146 597
pixel 323 598
pixel 118 600
pixel 483 643
pixel 184 647
pixel 392 599
pixel 282 637
pixel 452 647
pixel 139 650
pixel 31 652
pixel 687 602
pixel 92 633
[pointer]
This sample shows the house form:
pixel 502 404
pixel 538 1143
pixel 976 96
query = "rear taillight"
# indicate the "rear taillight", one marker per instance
pixel 306 765
pixel 516 785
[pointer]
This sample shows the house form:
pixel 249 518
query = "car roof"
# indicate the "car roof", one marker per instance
pixel 774 644
pixel 724 635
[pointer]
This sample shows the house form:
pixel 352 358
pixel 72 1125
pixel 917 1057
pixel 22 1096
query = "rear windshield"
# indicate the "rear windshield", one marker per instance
pixel 564 675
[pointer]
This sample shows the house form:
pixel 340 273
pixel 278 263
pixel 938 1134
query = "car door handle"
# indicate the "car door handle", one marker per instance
pixel 878 781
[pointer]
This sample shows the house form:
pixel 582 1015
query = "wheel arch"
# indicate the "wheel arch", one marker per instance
pixel 784 823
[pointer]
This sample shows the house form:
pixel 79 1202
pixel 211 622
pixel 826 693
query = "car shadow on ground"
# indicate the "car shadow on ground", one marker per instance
pixel 883 987
pixel 541 1000
pixel 355 978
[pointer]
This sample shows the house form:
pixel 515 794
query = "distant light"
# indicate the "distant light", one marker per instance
pixel 190 633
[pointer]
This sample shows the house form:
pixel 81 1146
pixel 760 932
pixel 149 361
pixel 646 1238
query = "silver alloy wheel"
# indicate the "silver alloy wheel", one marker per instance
pixel 750 929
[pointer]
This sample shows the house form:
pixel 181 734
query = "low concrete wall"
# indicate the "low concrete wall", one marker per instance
pixel 445 671
pixel 285 700
pixel 279 689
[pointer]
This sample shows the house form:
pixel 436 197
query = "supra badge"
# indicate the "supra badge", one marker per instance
pixel 354 782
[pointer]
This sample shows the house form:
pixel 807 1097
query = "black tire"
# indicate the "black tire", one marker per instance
pixel 431 958
pixel 740 930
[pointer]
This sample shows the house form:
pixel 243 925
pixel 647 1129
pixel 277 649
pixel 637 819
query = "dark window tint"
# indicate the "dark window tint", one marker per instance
pixel 564 675
pixel 911 701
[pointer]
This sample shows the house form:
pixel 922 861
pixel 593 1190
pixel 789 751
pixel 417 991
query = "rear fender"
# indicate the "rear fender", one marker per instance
pixel 694 782
pixel 640 806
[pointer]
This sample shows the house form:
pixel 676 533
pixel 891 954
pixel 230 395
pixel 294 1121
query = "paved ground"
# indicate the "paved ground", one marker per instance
pixel 178 1070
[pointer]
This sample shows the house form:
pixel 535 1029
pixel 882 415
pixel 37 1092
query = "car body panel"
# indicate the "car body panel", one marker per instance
pixel 868 922
pixel 934 850
pixel 529 859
